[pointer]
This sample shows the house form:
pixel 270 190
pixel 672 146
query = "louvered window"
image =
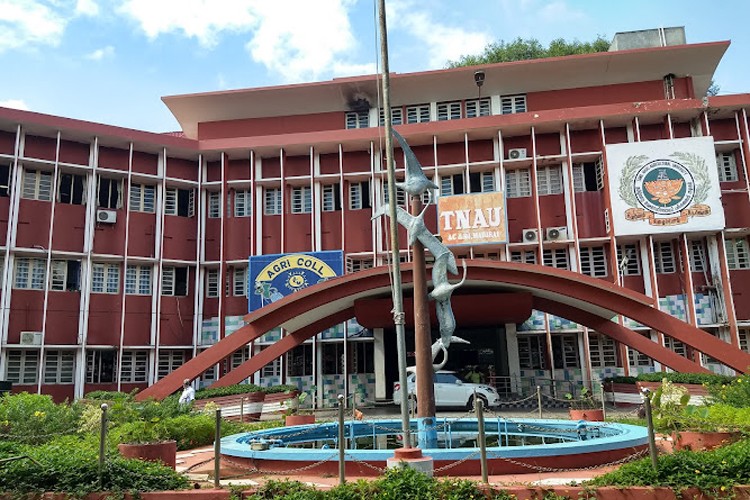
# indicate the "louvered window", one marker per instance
pixel 594 262
pixel 301 200
pixel 513 104
pixel 738 253
pixel 37 185
pixel 449 111
pixel 549 180
pixel 478 107
pixel 418 114
pixel 727 165
pixel 518 183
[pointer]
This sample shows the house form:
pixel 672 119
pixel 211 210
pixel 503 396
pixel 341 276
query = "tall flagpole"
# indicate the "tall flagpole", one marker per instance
pixel 398 300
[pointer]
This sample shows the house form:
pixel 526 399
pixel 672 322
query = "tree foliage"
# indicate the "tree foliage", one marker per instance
pixel 530 48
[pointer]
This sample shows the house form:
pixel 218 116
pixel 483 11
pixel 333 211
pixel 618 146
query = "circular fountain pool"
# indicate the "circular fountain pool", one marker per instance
pixel 513 446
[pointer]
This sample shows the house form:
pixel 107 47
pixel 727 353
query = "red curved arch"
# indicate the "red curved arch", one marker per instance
pixel 574 296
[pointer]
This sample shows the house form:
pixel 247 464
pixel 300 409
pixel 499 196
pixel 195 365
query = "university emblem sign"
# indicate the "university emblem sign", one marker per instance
pixel 665 186
pixel 273 277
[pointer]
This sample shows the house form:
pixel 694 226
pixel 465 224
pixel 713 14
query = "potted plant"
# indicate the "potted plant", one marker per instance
pixel 690 426
pixel 294 415
pixel 585 407
pixel 146 440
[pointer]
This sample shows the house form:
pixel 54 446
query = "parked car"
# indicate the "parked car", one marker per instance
pixel 450 391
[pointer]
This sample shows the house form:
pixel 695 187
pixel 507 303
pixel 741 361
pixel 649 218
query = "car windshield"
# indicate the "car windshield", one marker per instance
pixel 446 378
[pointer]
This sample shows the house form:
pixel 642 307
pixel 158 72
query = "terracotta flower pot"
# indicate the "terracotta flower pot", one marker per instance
pixel 701 441
pixel 299 420
pixel 164 451
pixel 590 414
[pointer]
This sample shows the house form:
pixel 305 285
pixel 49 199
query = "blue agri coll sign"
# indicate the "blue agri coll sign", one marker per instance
pixel 273 277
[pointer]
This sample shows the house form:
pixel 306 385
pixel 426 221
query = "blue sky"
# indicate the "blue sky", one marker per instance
pixel 110 61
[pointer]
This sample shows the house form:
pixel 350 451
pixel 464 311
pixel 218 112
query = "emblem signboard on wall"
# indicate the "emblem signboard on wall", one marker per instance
pixel 669 186
pixel 273 277
pixel 472 219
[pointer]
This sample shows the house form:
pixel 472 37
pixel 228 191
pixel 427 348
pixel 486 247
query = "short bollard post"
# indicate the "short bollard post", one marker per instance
pixel 217 450
pixel 102 442
pixel 342 441
pixel 539 399
pixel 482 441
pixel 242 409
pixel 604 407
pixel 650 422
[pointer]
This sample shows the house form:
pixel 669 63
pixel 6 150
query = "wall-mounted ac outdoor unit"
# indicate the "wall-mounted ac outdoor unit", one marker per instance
pixel 530 235
pixel 31 338
pixel 556 233
pixel 106 216
pixel 517 154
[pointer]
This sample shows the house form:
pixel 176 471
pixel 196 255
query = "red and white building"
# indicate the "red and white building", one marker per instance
pixel 124 253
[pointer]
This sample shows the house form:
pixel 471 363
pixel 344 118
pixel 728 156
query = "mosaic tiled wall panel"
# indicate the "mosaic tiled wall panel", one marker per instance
pixel 270 337
pixel 333 385
pixel 304 384
pixel 536 323
pixel 362 388
pixel 209 331
pixel 335 332
pixel 357 331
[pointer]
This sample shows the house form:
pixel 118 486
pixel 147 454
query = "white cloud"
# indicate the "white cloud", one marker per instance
pixel 87 8
pixel 29 22
pixel 15 104
pixel 560 12
pixel 441 41
pixel 103 53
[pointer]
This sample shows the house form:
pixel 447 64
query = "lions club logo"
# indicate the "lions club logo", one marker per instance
pixel 289 274
pixel 667 191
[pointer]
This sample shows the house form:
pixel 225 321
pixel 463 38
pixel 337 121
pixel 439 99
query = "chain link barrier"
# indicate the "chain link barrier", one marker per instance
pixel 255 470
pixel 540 468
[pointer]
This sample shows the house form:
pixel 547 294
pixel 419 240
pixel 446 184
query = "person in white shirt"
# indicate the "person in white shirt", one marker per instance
pixel 188 393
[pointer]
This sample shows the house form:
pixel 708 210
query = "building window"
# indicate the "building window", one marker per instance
pixel 400 195
pixel 478 107
pixel 101 366
pixel 22 366
pixel 482 182
pixel 59 366
pixel 418 114
pixel 588 176
pixel 331 197
pixel 449 111
pixel 37 185
pixel 510 104
pixel 397 117
pixel 565 351
pixel 451 184
pixel 214 205
pixel 359 195
pixel 358 119
pixel 332 358
pixel 66 275
pixel 549 180
pixel 361 357
pixel 243 203
pixel 300 361
pixel 744 336
pixel 636 358
pixel 239 357
pixel 30 274
pixel 272 201
pixel 168 362
pixel 628 261
pixel 697 256
pixel 71 189
pixel 174 281
pixel 727 165
pixel 4 179
pixel 518 183
pixel 664 257
pixel 134 367
pixel 301 200
pixel 524 256
pixel 212 283
pixel 354 264
pixel 138 280
pixel 738 253
pixel 142 198
pixel 532 352
pixel 272 369
pixel 675 345
pixel 180 202
pixel 239 282
pixel 594 262
pixel 555 257
pixel 105 278
pixel 109 194
pixel 602 351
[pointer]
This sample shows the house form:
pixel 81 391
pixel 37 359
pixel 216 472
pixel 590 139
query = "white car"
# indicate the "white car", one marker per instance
pixel 449 391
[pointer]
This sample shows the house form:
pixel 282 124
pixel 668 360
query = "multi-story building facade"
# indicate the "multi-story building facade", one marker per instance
pixel 124 253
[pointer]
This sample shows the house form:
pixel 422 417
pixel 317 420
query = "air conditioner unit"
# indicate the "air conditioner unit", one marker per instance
pixel 556 233
pixel 517 154
pixel 31 338
pixel 530 235
pixel 106 216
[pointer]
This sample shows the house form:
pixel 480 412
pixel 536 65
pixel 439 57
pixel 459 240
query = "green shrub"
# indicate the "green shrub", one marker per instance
pixel 35 418
pixel 735 393
pixel 685 378
pixel 286 489
pixel 280 388
pixel 105 396
pixel 621 380
pixel 229 390
pixel 70 464
pixel 716 470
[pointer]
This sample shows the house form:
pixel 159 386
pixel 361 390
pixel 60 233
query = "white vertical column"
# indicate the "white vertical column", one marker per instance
pixel 514 361
pixel 379 363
